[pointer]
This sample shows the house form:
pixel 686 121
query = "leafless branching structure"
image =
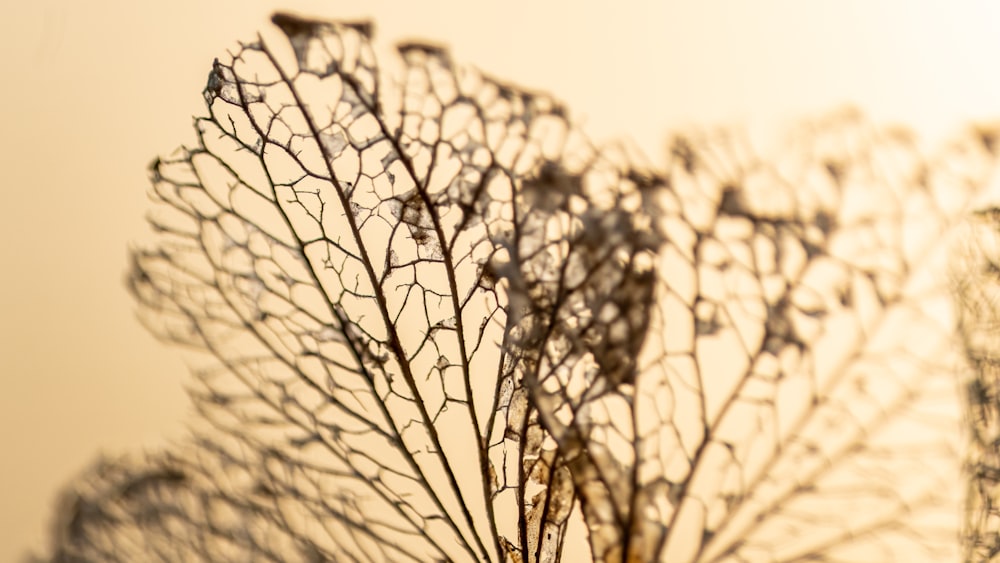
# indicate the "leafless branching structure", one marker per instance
pixel 437 323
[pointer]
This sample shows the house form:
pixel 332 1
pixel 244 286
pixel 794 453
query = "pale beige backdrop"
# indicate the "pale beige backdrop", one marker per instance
pixel 91 91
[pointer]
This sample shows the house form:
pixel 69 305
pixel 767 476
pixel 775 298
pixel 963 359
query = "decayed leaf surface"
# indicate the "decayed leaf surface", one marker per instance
pixel 810 387
pixel 977 293
pixel 439 324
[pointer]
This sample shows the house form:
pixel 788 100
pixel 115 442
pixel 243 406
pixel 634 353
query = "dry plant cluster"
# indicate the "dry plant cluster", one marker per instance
pixel 432 321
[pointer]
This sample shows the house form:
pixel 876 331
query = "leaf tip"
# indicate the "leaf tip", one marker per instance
pixel 293 25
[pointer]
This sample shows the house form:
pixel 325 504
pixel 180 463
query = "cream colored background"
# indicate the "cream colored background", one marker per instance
pixel 91 91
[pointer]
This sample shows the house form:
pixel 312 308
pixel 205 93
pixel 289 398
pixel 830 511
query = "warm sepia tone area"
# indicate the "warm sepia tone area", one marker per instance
pixel 94 91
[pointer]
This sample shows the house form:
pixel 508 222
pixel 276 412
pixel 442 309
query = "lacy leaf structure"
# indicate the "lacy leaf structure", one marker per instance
pixel 977 291
pixel 431 321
